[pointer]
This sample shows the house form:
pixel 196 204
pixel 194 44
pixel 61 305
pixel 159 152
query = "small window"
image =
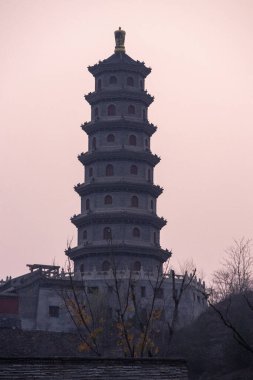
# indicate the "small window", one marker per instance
pixel 130 81
pixel 111 110
pixel 152 204
pixel 54 311
pixel 94 143
pixel 147 143
pixel 144 117
pixel 96 111
pixel 108 200
pixel 90 172
pixel 134 201
pixel 141 84
pixel 113 80
pixel 99 84
pixel 132 140
pixel 82 269
pixel 87 204
pixel 154 238
pixel 134 170
pixel 137 266
pixel 85 235
pixel 143 291
pixel 109 170
pixel 110 138
pixel 107 234
pixel 131 109
pixel 106 266
pixel 136 232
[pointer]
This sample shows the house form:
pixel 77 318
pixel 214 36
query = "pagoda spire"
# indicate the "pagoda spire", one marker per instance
pixel 120 41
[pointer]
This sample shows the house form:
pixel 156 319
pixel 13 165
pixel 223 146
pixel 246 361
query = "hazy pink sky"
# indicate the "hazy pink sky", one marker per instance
pixel 201 56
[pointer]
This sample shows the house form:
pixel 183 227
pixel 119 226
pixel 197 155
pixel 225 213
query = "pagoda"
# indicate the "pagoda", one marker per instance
pixel 118 219
pixel 118 245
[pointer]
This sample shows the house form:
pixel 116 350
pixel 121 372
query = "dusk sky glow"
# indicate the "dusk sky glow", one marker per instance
pixel 201 56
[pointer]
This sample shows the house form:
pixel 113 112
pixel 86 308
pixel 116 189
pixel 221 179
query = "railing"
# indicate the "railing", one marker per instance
pixel 111 274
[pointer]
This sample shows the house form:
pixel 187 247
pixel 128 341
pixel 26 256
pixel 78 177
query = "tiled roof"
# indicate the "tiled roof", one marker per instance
pixel 119 57
pixel 92 368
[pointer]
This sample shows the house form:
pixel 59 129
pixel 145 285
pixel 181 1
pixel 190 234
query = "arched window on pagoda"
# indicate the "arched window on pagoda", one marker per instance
pixel 109 170
pixel 131 109
pixel 144 115
pixel 94 143
pixel 113 80
pixel 154 238
pixel 137 266
pixel 136 232
pixel 134 201
pixel 130 81
pixel 106 265
pixel 132 140
pixel 110 138
pixel 152 204
pixel 107 233
pixel 141 84
pixel 90 172
pixel 82 269
pixel 134 169
pixel 99 84
pixel 85 235
pixel 108 200
pixel 111 110
pixel 87 204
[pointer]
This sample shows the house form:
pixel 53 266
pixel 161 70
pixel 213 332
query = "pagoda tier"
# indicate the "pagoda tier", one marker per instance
pixel 118 124
pixel 123 249
pixel 119 154
pixel 94 98
pixel 122 185
pixel 119 62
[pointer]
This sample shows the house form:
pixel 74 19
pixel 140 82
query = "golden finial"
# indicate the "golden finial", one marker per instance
pixel 119 39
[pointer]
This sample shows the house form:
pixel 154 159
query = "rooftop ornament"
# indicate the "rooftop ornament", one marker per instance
pixel 120 40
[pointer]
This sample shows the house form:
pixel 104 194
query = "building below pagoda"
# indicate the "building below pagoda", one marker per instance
pixel 118 252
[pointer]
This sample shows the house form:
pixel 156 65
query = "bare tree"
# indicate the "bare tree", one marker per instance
pixel 87 312
pixel 232 284
pixel 177 293
pixel 236 273
pixel 226 316
pixel 138 324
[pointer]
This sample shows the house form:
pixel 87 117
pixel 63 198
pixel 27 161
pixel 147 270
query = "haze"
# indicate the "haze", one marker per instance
pixel 202 79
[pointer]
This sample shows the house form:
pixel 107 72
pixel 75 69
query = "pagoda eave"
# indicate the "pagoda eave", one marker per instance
pixel 98 96
pixel 101 67
pixel 119 249
pixel 118 217
pixel 119 154
pixel 99 187
pixel 117 125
